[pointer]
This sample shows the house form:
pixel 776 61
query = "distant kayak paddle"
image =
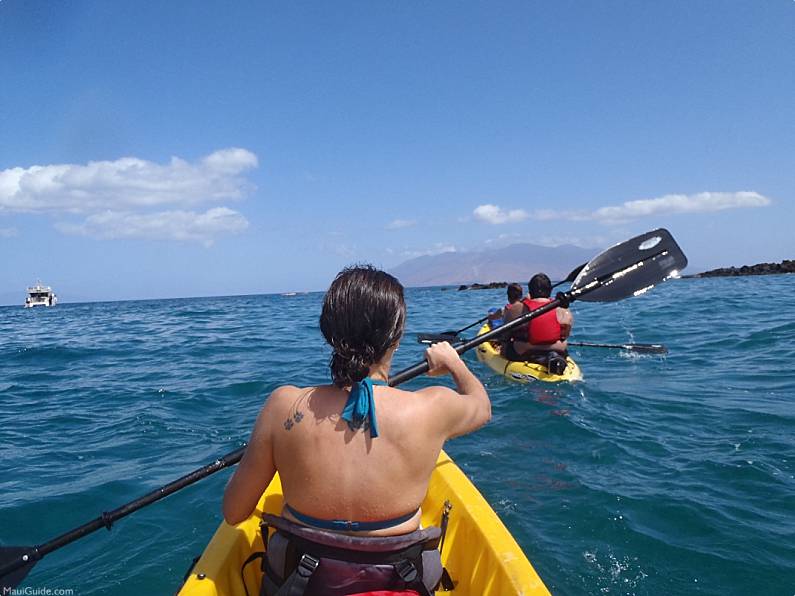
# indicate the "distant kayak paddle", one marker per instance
pixel 429 338
pixel 640 348
pixel 448 335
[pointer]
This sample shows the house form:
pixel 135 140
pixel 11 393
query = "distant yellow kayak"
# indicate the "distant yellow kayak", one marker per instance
pixel 523 372
pixel 479 553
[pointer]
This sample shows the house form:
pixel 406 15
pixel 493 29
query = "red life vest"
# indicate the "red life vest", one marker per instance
pixel 546 328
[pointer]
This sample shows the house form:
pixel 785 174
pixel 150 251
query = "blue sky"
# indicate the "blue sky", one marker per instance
pixel 210 148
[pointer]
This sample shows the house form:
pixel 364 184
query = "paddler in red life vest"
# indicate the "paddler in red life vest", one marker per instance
pixel 544 334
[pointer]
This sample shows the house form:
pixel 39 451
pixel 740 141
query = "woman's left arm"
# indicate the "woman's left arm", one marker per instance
pixel 254 472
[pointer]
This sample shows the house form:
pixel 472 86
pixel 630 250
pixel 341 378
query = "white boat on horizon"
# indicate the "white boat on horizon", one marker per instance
pixel 40 295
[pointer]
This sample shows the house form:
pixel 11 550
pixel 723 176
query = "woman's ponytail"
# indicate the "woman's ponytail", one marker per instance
pixel 363 316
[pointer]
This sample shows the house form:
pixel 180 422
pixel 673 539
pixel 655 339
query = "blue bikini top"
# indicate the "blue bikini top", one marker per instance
pixel 359 410
pixel 344 525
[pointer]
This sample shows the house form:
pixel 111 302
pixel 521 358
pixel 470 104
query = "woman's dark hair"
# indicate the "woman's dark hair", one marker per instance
pixel 539 286
pixel 363 316
pixel 514 292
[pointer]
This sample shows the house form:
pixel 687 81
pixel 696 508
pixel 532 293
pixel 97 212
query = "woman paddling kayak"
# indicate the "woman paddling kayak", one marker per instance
pixel 355 457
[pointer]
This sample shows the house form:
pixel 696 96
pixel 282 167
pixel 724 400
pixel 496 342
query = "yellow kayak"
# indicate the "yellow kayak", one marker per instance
pixel 523 372
pixel 479 553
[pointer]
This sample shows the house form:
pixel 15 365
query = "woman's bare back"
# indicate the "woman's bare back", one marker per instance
pixel 329 471
pixel 332 472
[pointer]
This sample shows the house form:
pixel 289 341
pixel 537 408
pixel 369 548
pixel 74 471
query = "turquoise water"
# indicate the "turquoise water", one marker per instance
pixel 656 475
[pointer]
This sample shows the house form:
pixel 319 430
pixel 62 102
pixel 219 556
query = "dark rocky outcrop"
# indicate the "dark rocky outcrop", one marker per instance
pixel 785 266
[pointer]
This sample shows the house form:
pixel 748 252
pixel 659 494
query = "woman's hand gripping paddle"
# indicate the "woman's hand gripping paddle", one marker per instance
pixel 626 269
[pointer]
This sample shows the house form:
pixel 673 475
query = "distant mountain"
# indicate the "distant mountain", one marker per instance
pixel 518 262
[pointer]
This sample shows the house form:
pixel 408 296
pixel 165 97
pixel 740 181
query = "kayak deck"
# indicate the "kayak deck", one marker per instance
pixel 522 372
pixel 479 553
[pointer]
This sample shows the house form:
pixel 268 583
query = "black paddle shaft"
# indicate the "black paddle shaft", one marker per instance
pixel 483 320
pixel 29 556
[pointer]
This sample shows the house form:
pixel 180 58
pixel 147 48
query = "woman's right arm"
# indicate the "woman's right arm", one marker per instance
pixel 461 411
pixel 255 470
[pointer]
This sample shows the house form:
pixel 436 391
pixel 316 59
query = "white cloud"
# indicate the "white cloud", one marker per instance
pixel 397 224
pixel 164 225
pixel 550 240
pixel 550 214
pixel 703 202
pixel 345 250
pixel 120 199
pixel 545 214
pixel 126 183
pixel 231 161
pixel 503 239
pixel 9 232
pixel 553 241
pixel 436 249
pixel 497 215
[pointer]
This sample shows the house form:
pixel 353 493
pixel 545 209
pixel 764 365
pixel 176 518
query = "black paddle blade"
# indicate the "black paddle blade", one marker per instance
pixel 630 268
pixel 646 348
pixel 640 348
pixel 8 556
pixel 433 338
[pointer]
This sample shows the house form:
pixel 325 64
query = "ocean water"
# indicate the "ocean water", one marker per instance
pixel 656 475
